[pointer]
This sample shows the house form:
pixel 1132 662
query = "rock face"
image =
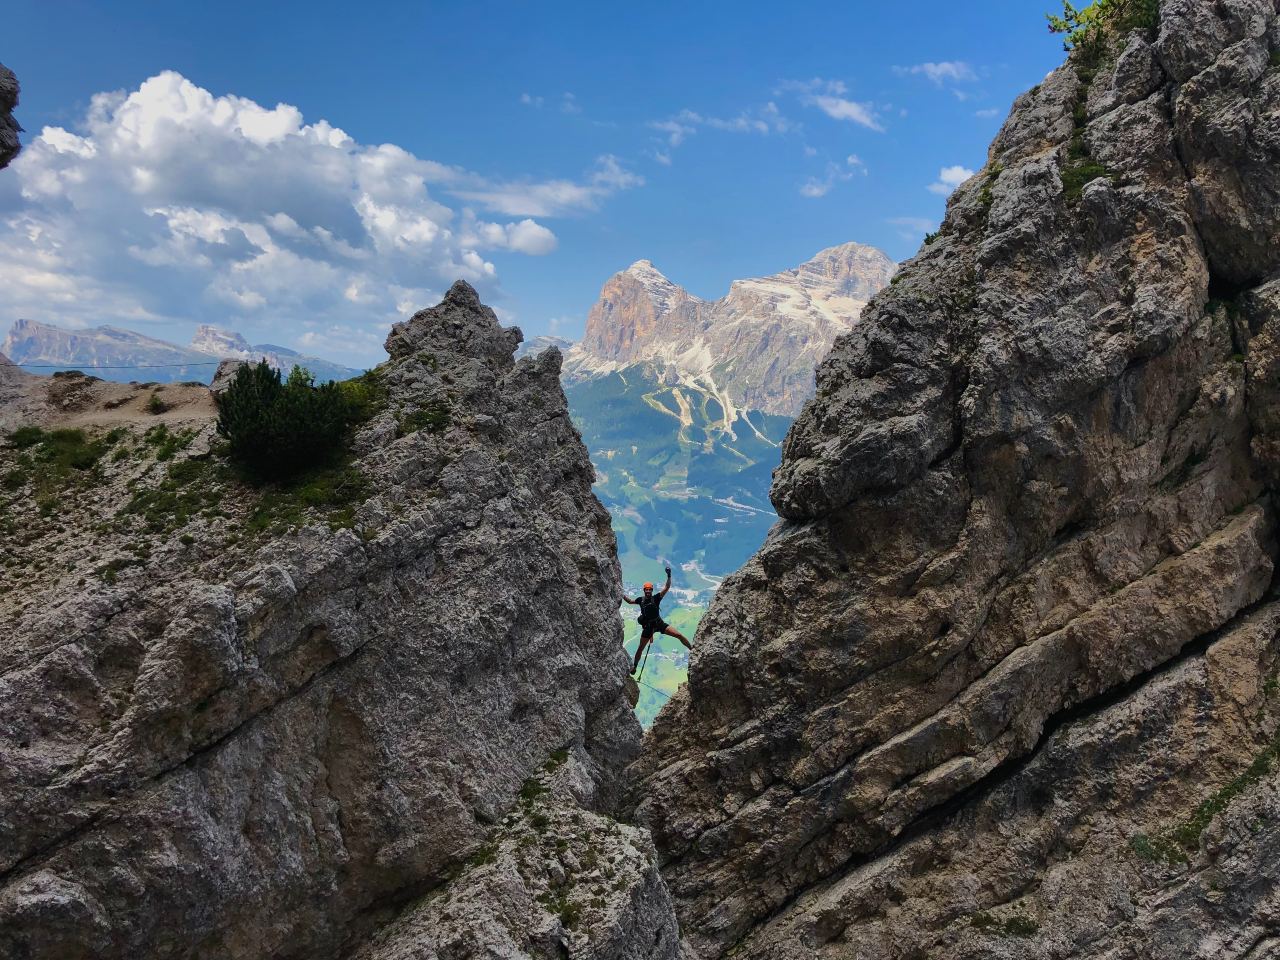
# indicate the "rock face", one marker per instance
pixel 1002 684
pixel 9 128
pixel 248 744
pixel 755 348
pixel 14 391
pixel 545 884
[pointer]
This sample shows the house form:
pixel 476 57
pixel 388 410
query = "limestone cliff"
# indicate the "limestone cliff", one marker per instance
pixel 235 725
pixel 1003 682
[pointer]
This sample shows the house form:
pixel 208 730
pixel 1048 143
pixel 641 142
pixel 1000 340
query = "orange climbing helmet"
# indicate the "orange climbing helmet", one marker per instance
pixel 648 586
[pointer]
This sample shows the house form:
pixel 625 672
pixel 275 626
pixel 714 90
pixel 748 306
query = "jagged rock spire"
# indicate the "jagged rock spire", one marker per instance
pixel 460 323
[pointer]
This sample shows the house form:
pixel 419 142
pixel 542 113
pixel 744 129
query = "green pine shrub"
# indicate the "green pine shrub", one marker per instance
pixel 278 429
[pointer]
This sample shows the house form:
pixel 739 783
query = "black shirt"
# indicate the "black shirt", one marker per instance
pixel 649 608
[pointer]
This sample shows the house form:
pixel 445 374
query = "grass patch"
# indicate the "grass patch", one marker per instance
pixel 53 461
pixel 1077 176
pixel 108 571
pixel 486 853
pixel 155 405
pixel 559 904
pixel 67 450
pixel 336 491
pixel 556 760
pixel 1081 168
pixel 1187 835
pixel 25 437
pixel 189 487
pixel 531 791
pixel 1178 845
pixel 1017 925
pixel 166 443
pixel 433 419
pixel 1156 849
pixel 366 395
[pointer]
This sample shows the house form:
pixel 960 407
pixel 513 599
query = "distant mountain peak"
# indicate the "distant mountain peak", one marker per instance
pixel 220 343
pixel 659 287
pixel 645 268
pixel 756 347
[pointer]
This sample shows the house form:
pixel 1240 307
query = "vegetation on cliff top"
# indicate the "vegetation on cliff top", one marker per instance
pixel 279 428
pixel 1085 28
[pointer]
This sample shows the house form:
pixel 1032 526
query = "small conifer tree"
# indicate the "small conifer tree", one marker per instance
pixel 276 428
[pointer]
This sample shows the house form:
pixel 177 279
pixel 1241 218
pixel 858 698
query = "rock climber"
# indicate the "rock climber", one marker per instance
pixel 651 621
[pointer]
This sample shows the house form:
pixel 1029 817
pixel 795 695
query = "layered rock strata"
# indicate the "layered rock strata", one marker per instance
pixel 264 744
pixel 1016 625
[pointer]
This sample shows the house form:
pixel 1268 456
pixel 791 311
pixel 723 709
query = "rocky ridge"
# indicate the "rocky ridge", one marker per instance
pixel 233 730
pixel 753 349
pixel 1003 682
pixel 125 355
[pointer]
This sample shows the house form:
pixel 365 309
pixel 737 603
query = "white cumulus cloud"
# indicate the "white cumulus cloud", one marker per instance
pixel 171 206
pixel 816 187
pixel 829 96
pixel 764 120
pixel 948 179
pixel 552 198
pixel 946 72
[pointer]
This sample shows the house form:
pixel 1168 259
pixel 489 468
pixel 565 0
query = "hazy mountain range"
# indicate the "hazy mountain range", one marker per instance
pixel 113 353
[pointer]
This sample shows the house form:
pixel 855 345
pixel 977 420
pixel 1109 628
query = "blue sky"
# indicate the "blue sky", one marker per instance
pixel 537 148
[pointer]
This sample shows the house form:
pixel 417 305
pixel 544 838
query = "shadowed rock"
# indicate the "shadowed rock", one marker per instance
pixel 9 129
pixel 1038 473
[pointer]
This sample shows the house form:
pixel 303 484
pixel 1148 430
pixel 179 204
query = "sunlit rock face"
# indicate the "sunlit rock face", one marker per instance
pixel 1017 625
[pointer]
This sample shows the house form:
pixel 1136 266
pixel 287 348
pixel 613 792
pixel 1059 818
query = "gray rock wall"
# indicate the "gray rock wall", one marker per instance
pixel 1036 474
pixel 267 747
